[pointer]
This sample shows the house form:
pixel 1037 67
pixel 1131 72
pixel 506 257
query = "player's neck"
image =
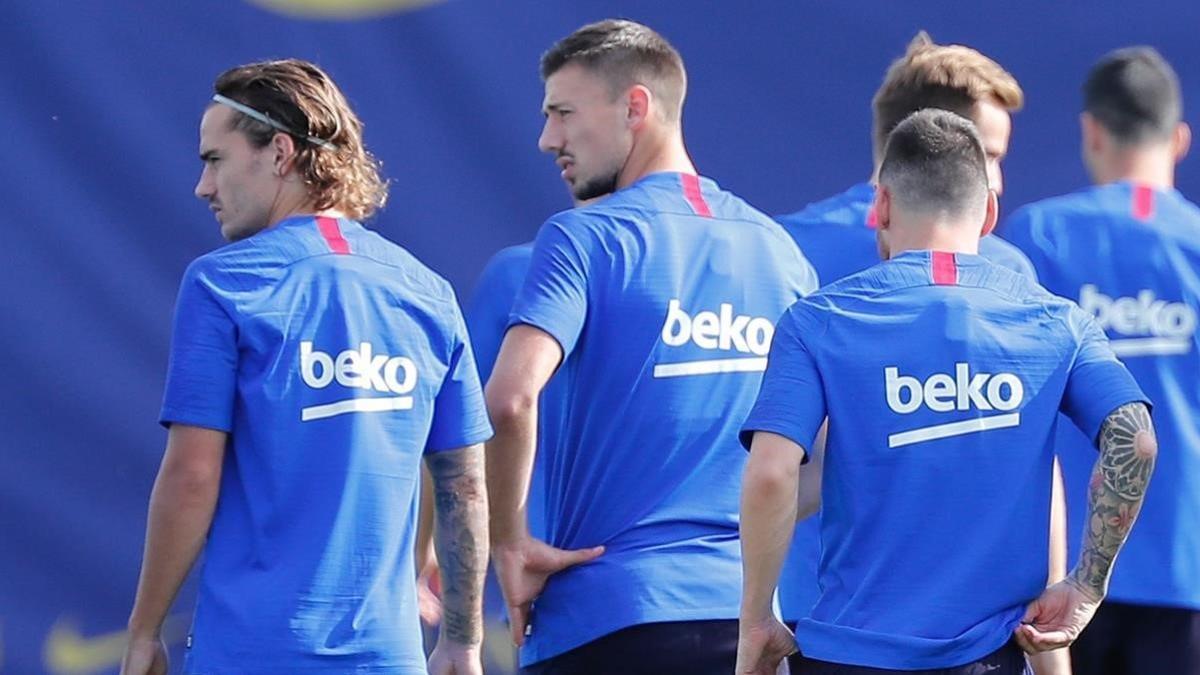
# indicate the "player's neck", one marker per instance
pixel 1153 167
pixel 655 155
pixel 932 237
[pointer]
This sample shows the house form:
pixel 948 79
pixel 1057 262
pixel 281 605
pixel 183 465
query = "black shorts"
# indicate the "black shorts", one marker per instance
pixel 683 647
pixel 1008 660
pixel 1127 639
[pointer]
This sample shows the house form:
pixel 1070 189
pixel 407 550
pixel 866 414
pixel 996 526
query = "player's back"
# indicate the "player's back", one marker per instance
pixel 344 343
pixel 942 376
pixel 678 285
pixel 1129 255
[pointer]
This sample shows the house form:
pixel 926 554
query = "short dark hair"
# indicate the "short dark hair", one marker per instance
pixel 1134 94
pixel 625 53
pixel 947 77
pixel 304 99
pixel 934 162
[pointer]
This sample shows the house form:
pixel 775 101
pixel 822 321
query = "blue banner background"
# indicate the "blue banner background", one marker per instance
pixel 99 107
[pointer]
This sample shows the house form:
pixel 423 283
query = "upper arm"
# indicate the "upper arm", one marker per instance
pixel 1098 384
pixel 554 296
pixel 195 454
pixel 202 371
pixel 528 358
pixel 791 401
pixel 487 313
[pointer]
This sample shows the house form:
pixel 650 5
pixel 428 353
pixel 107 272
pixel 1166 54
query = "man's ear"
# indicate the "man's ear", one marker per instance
pixel 1182 140
pixel 640 101
pixel 992 214
pixel 883 207
pixel 284 148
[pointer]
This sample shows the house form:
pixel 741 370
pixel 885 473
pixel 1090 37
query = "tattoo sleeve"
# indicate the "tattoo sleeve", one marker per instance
pixel 461 539
pixel 1127 453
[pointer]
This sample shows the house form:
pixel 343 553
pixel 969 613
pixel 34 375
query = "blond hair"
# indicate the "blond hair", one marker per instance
pixel 947 77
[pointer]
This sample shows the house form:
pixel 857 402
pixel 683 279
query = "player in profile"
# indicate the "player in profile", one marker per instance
pixel 655 306
pixel 942 375
pixel 313 365
pixel 838 237
pixel 1127 250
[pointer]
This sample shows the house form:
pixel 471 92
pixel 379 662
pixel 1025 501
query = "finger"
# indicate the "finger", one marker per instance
pixel 1022 636
pixel 579 555
pixel 1032 611
pixel 518 619
pixel 1045 641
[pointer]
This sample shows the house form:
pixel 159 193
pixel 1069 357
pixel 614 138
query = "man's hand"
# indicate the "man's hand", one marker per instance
pixel 145 656
pixel 429 595
pixel 523 569
pixel 763 646
pixel 449 658
pixel 1056 618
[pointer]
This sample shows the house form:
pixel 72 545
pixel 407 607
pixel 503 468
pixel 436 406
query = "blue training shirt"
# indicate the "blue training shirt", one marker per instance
pixel 837 236
pixel 335 360
pixel 1129 255
pixel 942 376
pixel 663 297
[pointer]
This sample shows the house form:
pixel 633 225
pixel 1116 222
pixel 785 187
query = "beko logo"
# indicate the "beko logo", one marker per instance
pixel 962 391
pixel 1142 325
pixel 722 330
pixel 357 369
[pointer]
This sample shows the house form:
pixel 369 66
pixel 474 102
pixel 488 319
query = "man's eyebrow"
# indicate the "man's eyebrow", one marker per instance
pixel 207 155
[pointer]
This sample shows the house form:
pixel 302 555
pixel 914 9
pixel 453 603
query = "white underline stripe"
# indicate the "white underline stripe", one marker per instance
pixel 1150 346
pixel 350 405
pixel 954 429
pixel 742 365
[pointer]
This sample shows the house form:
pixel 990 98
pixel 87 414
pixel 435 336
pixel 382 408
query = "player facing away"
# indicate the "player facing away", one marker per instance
pixel 838 237
pixel 656 308
pixel 313 365
pixel 942 376
pixel 1127 250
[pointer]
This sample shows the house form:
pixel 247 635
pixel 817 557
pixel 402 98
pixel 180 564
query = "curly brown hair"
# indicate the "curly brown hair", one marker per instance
pixel 304 99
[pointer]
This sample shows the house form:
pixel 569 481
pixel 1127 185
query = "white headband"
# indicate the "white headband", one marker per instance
pixel 262 117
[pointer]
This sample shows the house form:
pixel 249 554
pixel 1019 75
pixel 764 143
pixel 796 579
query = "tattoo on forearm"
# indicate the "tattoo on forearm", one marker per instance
pixel 461 539
pixel 1127 453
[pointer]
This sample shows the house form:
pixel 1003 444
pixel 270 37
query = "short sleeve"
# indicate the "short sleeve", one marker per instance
pixel 202 371
pixel 554 297
pixel 1098 383
pixel 1019 230
pixel 490 305
pixel 459 413
pixel 791 401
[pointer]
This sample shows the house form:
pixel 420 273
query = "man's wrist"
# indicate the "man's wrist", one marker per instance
pixel 1089 591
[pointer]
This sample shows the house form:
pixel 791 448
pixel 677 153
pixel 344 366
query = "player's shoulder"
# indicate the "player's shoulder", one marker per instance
pixel 845 209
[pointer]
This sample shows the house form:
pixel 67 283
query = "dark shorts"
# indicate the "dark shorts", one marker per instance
pixel 1008 660
pixel 683 647
pixel 1139 640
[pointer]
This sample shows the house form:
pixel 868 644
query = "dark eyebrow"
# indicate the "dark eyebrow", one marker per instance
pixel 207 155
pixel 555 107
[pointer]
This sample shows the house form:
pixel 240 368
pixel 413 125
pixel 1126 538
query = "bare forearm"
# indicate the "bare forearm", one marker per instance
pixel 768 521
pixel 461 539
pixel 423 550
pixel 181 510
pixel 1128 450
pixel 509 467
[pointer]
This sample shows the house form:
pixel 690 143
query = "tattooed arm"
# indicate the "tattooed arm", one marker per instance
pixel 461 540
pixel 1128 450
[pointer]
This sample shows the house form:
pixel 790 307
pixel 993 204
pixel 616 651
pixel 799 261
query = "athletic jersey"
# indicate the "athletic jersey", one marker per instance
pixel 487 319
pixel 837 236
pixel 942 375
pixel 334 360
pixel 664 298
pixel 1129 255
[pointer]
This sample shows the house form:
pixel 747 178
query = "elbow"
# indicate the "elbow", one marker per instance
pixel 768 477
pixel 192 482
pixel 508 407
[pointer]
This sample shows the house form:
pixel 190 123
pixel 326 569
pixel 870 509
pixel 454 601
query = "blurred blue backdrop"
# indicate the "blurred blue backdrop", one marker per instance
pixel 99 107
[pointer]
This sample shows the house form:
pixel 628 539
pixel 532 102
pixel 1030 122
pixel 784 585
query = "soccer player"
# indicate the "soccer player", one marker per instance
pixel 656 306
pixel 838 237
pixel 838 234
pixel 942 375
pixel 313 365
pixel 1127 250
